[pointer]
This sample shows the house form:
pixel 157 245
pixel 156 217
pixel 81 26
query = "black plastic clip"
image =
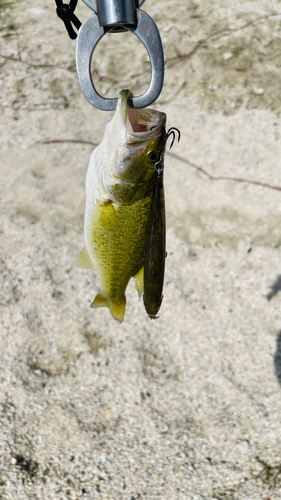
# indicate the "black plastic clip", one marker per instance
pixel 66 13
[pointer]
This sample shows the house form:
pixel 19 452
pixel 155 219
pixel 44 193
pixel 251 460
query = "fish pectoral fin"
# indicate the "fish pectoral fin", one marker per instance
pixel 81 206
pixel 117 309
pixel 83 260
pixel 139 281
pixel 108 215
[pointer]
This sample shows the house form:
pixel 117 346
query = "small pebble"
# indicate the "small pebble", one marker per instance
pixel 259 91
pixel 227 55
pixel 241 68
pixel 244 446
pixel 18 318
pixel 36 11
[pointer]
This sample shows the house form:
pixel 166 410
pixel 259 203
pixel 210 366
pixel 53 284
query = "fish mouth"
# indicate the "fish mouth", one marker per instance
pixel 141 125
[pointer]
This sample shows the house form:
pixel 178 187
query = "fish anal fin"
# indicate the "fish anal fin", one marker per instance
pixel 81 206
pixel 83 260
pixel 117 309
pixel 139 281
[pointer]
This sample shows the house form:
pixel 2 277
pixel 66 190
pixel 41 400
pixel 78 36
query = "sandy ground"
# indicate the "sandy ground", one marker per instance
pixel 188 406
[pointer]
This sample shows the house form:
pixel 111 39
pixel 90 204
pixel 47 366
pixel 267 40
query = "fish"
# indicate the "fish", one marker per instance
pixel 120 186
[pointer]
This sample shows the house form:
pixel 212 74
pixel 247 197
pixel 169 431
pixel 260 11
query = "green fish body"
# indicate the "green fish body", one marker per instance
pixel 119 190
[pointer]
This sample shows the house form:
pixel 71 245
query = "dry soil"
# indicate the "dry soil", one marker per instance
pixel 187 406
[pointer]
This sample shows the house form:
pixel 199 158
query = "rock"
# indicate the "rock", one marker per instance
pixel 258 91
pixel 227 56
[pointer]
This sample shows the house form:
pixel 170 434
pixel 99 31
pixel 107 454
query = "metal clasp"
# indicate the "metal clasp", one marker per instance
pixel 116 16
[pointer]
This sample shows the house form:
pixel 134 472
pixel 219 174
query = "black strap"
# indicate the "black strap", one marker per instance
pixel 66 13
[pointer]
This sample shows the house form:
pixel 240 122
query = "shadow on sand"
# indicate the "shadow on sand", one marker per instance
pixel 275 288
pixel 277 358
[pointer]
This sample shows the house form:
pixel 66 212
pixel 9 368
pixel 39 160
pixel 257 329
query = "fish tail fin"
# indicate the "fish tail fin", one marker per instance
pixel 117 309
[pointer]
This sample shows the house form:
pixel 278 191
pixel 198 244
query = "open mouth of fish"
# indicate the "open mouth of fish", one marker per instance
pixel 141 124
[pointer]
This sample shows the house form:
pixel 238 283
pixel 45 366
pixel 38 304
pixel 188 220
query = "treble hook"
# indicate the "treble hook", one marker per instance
pixel 159 165
pixel 171 131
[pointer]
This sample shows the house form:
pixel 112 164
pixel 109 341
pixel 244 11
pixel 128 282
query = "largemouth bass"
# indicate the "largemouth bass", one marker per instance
pixel 119 188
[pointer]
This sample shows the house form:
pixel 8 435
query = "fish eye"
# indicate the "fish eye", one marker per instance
pixel 153 156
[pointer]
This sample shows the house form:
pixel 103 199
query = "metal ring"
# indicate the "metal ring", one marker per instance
pixel 93 4
pixel 91 33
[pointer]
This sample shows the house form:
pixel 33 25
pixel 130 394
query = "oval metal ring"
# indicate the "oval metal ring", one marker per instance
pixel 91 33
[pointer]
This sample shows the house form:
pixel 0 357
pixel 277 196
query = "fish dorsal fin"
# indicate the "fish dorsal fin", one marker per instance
pixel 81 206
pixel 139 281
pixel 117 309
pixel 83 260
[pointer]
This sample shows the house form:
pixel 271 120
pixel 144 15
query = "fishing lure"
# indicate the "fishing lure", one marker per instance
pixel 155 249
